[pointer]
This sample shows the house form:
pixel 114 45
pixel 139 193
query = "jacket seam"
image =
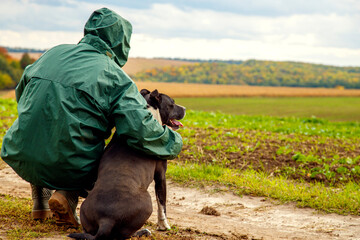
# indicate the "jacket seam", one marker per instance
pixel 69 86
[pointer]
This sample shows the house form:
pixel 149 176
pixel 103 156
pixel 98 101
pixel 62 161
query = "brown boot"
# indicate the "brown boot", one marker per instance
pixel 40 197
pixel 63 205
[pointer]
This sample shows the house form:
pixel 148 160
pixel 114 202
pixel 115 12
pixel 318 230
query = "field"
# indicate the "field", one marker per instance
pixel 301 150
pixel 330 108
pixel 18 55
pixel 306 149
pixel 331 104
pixel 132 66
pixel 186 90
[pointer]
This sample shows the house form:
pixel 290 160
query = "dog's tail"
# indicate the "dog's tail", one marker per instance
pixel 104 231
pixel 86 236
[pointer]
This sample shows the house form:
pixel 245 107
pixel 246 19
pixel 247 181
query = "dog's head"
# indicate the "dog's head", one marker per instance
pixel 170 112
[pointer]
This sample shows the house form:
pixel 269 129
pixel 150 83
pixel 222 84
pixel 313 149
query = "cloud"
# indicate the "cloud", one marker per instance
pixel 165 20
pixel 38 39
pixel 144 45
pixel 315 31
pixel 24 15
pixel 246 7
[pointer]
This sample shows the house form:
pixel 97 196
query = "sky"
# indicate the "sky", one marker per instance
pixel 315 31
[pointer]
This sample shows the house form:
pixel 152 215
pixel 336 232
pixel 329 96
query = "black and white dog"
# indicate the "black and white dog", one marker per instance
pixel 119 204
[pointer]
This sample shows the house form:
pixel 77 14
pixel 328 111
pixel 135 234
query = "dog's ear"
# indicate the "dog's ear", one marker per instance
pixel 144 92
pixel 154 95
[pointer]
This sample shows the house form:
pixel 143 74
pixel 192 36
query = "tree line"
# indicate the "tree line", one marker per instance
pixel 256 73
pixel 250 72
pixel 11 69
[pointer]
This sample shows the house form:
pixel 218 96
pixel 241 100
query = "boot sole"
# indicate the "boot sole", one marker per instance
pixel 62 211
pixel 41 214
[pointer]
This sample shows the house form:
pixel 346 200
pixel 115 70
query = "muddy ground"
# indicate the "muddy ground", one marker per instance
pixel 238 217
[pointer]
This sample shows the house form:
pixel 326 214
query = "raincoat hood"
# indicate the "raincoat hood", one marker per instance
pixel 110 34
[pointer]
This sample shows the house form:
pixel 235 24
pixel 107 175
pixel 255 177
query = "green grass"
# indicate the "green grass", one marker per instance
pixel 285 125
pixel 8 113
pixel 330 108
pixel 317 151
pixel 344 200
pixel 16 222
pixel 314 146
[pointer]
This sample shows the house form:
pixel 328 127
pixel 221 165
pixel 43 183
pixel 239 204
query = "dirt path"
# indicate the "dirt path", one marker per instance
pixel 240 217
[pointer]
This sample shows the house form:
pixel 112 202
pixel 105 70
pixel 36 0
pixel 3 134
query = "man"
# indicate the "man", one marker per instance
pixel 68 102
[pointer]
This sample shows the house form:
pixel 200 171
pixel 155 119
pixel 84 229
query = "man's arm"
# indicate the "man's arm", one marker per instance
pixel 143 132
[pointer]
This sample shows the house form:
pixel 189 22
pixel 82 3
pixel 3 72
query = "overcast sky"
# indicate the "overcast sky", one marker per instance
pixel 317 31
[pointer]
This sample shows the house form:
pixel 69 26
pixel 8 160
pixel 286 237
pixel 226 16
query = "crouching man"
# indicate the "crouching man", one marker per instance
pixel 68 102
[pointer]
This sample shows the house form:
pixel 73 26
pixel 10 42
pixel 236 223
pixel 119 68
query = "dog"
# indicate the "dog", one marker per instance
pixel 119 204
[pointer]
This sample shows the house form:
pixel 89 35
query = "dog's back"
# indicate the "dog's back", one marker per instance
pixel 119 204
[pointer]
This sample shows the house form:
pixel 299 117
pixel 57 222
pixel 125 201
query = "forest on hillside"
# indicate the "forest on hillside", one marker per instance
pixel 12 69
pixel 257 73
pixel 250 72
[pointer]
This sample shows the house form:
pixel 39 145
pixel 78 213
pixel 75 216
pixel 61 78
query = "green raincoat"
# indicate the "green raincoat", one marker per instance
pixel 68 102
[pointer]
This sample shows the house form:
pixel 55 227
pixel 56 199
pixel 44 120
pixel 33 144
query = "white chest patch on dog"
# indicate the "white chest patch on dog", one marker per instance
pixel 155 113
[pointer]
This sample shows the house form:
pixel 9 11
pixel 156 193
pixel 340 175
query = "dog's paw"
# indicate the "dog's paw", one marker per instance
pixel 142 233
pixel 163 225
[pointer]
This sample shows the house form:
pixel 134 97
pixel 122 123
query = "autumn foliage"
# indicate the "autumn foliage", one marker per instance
pixel 11 69
pixel 257 73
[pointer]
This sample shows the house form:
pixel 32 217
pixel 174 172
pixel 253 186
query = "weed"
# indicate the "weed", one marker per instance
pixel 15 219
pixel 311 161
pixel 344 200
